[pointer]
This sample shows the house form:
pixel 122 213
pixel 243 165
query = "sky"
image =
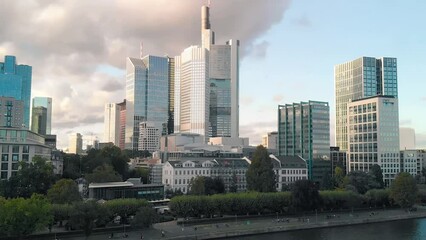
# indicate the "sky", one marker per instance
pixel 288 50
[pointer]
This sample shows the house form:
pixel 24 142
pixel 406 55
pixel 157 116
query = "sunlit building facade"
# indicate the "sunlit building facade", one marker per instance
pixel 11 112
pixel 45 102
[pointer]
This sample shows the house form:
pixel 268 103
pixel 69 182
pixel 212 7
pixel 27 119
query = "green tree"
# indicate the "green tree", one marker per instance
pixel 233 186
pixel 142 173
pixel 118 159
pixel 86 215
pixel 338 177
pixel 20 217
pixel 260 175
pixel 64 191
pixel 360 182
pixel 404 190
pixel 305 195
pixel 145 217
pixel 327 182
pixel 104 173
pixel 197 185
pixel 34 177
pixel 377 174
pixel 134 154
pixel 72 166
pixel 125 207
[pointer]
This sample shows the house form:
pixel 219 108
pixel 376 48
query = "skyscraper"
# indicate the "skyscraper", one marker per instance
pixel 215 70
pixel 360 78
pixel 75 143
pixel 304 130
pixel 170 121
pixel 39 120
pixel 146 95
pixel 11 112
pixel 111 123
pixel 15 81
pixel 45 102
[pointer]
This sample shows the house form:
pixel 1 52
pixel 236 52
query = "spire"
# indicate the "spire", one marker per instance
pixel 205 17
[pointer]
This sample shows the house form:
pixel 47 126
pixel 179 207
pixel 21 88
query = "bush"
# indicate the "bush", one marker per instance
pixel 125 207
pixel 332 200
pixel 378 197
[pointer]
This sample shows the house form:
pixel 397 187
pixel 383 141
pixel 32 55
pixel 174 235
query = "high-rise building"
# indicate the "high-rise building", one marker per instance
pixel 146 95
pixel 11 112
pixel 407 138
pixel 112 123
pixel 15 82
pixel 122 125
pixel 304 130
pixel 373 134
pixel 39 120
pixel 170 121
pixel 75 143
pixel 214 71
pixel 270 140
pixel 360 78
pixel 45 102
pixel 149 135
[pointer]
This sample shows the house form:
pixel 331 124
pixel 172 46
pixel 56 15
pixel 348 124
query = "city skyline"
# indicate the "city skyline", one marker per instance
pixel 291 52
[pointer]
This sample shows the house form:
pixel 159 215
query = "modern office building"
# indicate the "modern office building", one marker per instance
pixel 15 82
pixel 337 159
pixel 122 125
pixel 146 95
pixel 17 145
pixel 39 120
pixel 304 130
pixel 360 78
pixel 270 140
pixel 75 143
pixel 373 134
pixel 150 134
pixel 407 138
pixel 207 86
pixel 11 112
pixel 171 120
pixel 412 161
pixel 112 123
pixel 45 102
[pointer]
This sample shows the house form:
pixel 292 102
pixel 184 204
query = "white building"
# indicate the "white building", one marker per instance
pixel 149 136
pixel 75 144
pixel 270 140
pixel 373 135
pixel 229 141
pixel 412 161
pixel 289 169
pixel 407 138
pixel 112 123
pixel 19 145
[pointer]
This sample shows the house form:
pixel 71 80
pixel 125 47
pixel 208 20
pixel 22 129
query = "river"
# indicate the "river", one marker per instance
pixel 412 229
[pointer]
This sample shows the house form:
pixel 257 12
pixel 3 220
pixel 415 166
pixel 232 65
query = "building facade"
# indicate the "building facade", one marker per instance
pixel 149 135
pixel 19 145
pixel 360 78
pixel 289 169
pixel 146 95
pixel 112 123
pixel 39 120
pixel 15 82
pixel 11 112
pixel 337 159
pixel 304 130
pixel 75 143
pixel 412 161
pixel 373 135
pixel 407 138
pixel 45 102
pixel 270 140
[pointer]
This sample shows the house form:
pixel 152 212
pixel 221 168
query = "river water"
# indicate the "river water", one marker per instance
pixel 413 229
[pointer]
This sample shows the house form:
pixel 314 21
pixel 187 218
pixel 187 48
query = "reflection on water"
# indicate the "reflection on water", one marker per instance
pixel 414 229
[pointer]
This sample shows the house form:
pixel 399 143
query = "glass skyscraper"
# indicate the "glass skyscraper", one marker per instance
pixel 15 81
pixel 45 102
pixel 304 130
pixel 360 78
pixel 146 95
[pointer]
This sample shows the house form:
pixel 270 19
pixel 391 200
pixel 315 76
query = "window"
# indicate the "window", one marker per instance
pixel 25 149
pixel 5 157
pixel 5 148
pixel 4 166
pixel 15 148
pixel 15 157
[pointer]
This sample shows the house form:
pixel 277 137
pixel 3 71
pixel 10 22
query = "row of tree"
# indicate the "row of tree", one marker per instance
pixel 304 196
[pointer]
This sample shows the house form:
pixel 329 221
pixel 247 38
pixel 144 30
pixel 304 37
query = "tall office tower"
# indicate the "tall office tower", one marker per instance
pixel 221 81
pixel 170 121
pixel 15 81
pixel 45 102
pixel 75 143
pixel 39 120
pixel 11 112
pixel 122 125
pixel 149 136
pixel 360 78
pixel 270 140
pixel 407 138
pixel 146 95
pixel 373 135
pixel 112 123
pixel 304 130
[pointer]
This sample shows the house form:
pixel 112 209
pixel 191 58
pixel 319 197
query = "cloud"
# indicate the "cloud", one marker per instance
pixel 66 41
pixel 278 98
pixel 256 130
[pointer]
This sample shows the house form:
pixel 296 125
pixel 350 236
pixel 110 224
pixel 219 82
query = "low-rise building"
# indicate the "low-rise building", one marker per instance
pixel 128 189
pixel 412 161
pixel 289 169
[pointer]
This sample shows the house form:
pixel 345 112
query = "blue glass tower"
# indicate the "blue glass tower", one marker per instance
pixel 15 81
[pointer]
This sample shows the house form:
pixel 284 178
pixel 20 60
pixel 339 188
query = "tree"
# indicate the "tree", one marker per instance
pixel 142 173
pixel 145 217
pixel 85 215
pixel 327 182
pixel 117 159
pixel 377 174
pixel 197 185
pixel 20 217
pixel 260 175
pixel 233 187
pixel 134 154
pixel 339 174
pixel 64 191
pixel 202 185
pixel 360 182
pixel 404 190
pixel 34 177
pixel 72 166
pixel 305 195
pixel 104 173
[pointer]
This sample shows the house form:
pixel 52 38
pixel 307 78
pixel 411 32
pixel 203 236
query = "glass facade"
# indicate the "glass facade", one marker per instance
pixel 39 120
pixel 46 103
pixel 360 78
pixel 304 130
pixel 15 81
pixel 220 108
pixel 146 95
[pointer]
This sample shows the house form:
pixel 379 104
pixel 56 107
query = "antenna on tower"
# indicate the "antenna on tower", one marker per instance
pixel 208 3
pixel 141 49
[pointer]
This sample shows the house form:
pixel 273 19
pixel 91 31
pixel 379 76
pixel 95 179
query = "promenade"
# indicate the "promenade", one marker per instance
pixel 240 226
